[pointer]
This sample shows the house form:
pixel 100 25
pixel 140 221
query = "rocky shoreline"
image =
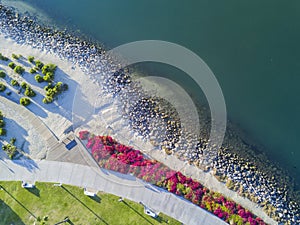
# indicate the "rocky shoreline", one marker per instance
pixel 146 114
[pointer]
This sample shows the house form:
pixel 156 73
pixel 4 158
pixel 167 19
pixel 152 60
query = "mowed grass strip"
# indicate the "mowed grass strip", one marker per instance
pixel 20 206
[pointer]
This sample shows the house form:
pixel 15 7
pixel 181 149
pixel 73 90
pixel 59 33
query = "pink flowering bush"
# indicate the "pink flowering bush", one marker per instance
pixel 114 156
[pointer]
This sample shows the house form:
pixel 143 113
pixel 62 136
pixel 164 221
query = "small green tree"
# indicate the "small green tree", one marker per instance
pixel 39 64
pixel 24 101
pixel 14 56
pixel 32 71
pixel 47 99
pixel 2 132
pixel 38 78
pixel 13 140
pixel 2 123
pixel 14 83
pixel 2 57
pixel 30 59
pixel 29 92
pixel 47 78
pixel 2 74
pixel 19 70
pixel 2 87
pixel 24 85
pixel 12 65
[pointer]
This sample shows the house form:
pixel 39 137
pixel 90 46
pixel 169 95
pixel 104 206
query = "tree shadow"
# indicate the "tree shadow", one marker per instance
pixel 34 191
pixel 161 220
pixel 83 111
pixel 15 130
pixel 8 216
pixel 14 97
pixel 137 212
pixel 24 62
pixel 5 63
pixel 35 107
pixel 24 207
pixel 29 164
pixel 101 219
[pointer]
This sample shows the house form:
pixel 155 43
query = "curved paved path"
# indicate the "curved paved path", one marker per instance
pixel 90 176
pixel 124 186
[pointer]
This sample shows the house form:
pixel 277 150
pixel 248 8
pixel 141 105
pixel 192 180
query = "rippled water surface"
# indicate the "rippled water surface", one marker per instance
pixel 251 46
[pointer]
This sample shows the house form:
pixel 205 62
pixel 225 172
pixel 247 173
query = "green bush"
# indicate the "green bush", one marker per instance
pixel 14 83
pixel 38 78
pixel 1 115
pixel 53 91
pixel 2 57
pixel 14 56
pixel 2 87
pixel 19 69
pixel 48 99
pixel 2 132
pixel 29 92
pixel 49 86
pixel 32 71
pixel 49 68
pixel 10 150
pixel 12 141
pixel 24 85
pixel 2 74
pixel 30 59
pixel 50 92
pixel 2 123
pixel 46 78
pixel 24 101
pixel 39 64
pixel 12 65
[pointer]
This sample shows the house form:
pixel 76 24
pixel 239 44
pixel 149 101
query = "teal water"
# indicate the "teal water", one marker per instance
pixel 251 46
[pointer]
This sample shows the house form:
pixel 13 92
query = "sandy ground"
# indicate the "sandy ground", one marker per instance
pixel 93 110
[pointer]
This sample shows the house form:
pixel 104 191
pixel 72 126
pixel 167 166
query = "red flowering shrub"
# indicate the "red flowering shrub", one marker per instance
pixel 114 156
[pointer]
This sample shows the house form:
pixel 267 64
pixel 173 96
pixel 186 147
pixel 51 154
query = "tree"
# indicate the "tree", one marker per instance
pixel 30 59
pixel 39 64
pixel 2 123
pixel 14 56
pixel 49 68
pixel 14 83
pixel 24 85
pixel 48 99
pixel 12 65
pixel 29 92
pixel 32 71
pixel 2 74
pixel 2 87
pixel 24 101
pixel 2 57
pixel 19 69
pixel 47 78
pixel 38 78
pixel 2 132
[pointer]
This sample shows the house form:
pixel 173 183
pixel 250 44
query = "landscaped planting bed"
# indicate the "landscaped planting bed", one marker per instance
pixel 124 159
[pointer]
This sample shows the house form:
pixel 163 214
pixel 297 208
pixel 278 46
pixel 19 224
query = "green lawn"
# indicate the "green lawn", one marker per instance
pixel 23 206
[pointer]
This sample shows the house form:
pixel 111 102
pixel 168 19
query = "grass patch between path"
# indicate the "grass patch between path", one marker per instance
pixel 22 206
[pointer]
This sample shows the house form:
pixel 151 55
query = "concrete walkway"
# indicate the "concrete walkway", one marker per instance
pixel 80 170
pixel 38 124
pixel 118 184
